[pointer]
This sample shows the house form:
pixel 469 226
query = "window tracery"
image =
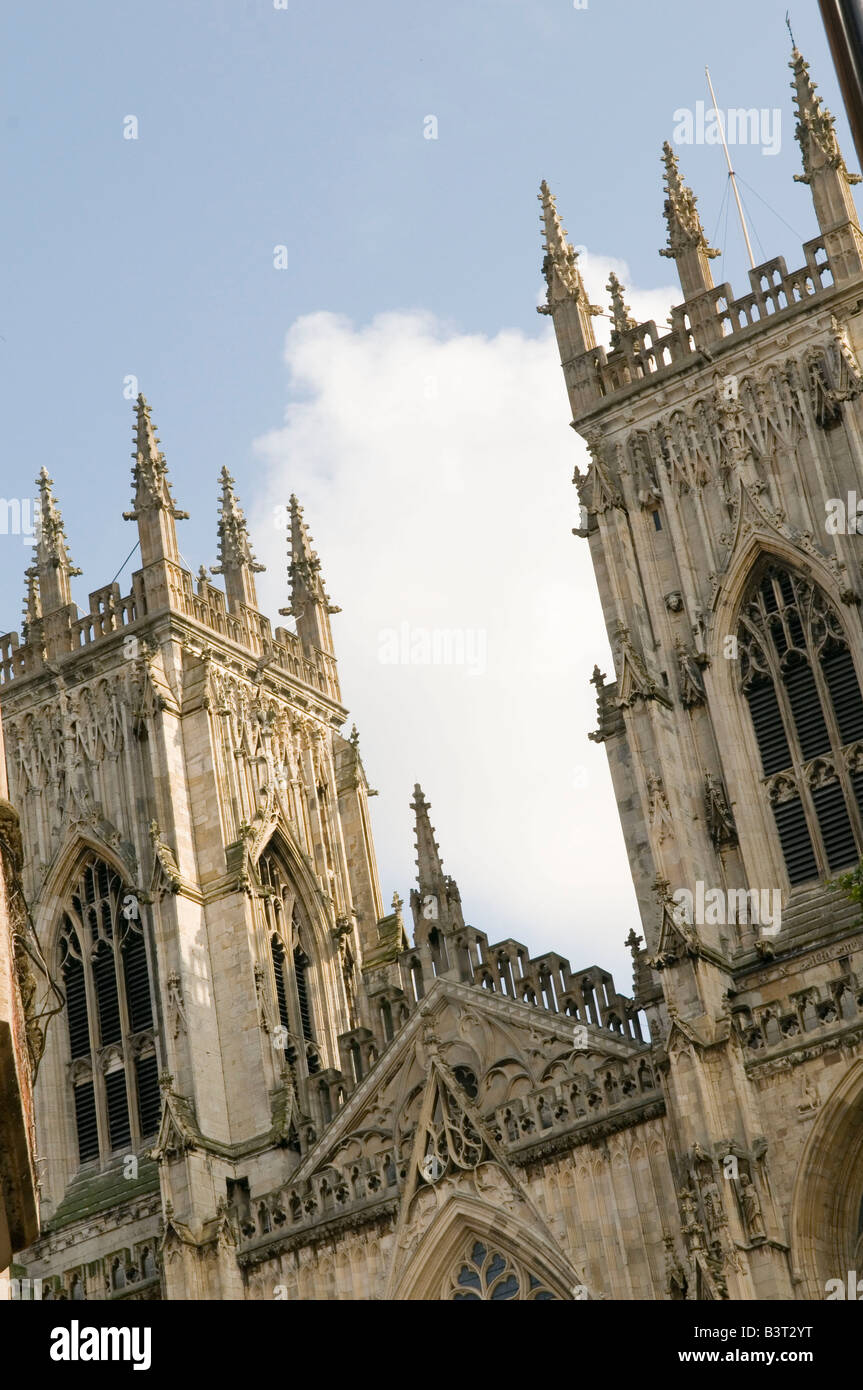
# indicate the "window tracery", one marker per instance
pixel 113 1064
pixel 482 1274
pixel 799 679
pixel 292 966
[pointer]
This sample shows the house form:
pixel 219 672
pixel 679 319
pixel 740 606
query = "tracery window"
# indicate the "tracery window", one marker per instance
pixel 109 1013
pixel 799 679
pixel 485 1275
pixel 292 965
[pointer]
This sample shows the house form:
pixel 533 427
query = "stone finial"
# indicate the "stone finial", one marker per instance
pixel 153 507
pixel 310 605
pixel 32 624
pixel 816 128
pixel 685 231
pixel 566 296
pixel 621 318
pixel 236 560
pixel 51 560
pixel 687 243
pixel 438 903
pixel 428 860
pixel 150 473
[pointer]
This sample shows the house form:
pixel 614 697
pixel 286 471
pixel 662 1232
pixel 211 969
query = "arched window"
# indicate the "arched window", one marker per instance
pixel 798 676
pixel 109 1014
pixel 483 1275
pixel 292 966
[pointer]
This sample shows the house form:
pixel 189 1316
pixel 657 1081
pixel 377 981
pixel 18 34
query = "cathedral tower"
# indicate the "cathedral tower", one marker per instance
pixel 719 505
pixel 199 857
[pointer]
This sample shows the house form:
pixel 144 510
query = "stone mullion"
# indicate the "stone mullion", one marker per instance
pixel 822 462
pixel 345 902
pixel 224 757
pixel 679 544
pixel 99 1097
pixel 837 747
pixel 125 1032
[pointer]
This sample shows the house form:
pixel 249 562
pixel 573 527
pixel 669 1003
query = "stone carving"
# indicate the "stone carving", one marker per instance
pixel 720 821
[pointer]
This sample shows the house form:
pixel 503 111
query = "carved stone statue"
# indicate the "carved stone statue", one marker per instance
pixel 753 1218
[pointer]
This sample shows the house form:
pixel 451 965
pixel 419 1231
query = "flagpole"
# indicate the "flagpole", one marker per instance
pixel 731 174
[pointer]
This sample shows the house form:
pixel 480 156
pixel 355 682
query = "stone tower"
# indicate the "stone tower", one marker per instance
pixel 199 852
pixel 257 1087
pixel 726 454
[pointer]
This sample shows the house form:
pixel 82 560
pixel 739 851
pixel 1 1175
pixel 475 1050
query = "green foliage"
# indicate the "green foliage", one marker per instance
pixel 851 884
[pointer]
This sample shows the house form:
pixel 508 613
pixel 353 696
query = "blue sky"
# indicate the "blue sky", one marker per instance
pixel 304 127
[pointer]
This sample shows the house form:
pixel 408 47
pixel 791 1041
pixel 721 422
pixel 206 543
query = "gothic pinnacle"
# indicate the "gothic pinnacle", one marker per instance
pixel 438 902
pixel 150 471
pixel 153 505
pixel 685 231
pixel 816 128
pixel 428 859
pixel 560 266
pixel 310 605
pixel 32 623
pixel 622 320
pixel 236 560
pixel 52 564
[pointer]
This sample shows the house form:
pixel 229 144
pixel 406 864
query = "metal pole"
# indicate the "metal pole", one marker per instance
pixel 843 21
pixel 731 171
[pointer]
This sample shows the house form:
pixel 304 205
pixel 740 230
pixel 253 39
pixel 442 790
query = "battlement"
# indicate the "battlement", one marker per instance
pixel 710 317
pixel 54 629
pixel 643 353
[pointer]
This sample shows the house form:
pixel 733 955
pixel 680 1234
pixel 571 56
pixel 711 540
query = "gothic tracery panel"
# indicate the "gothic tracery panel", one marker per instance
pixel 113 1068
pixel 799 679
pixel 482 1274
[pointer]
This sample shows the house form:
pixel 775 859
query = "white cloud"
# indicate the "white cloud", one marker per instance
pixel 434 468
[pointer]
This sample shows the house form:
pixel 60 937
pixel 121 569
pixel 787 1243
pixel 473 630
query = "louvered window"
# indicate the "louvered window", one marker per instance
pixel 149 1101
pixel 85 1122
pixel 800 682
pixel 109 1012
pixel 292 969
pixel 300 964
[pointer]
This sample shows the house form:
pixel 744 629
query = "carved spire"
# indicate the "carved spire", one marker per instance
pixel 236 561
pixel 437 904
pixel 567 299
pixel 32 626
pixel 816 128
pixel 826 173
pixel 622 320
pixel 687 243
pixel 154 508
pixel 310 605
pixel 52 564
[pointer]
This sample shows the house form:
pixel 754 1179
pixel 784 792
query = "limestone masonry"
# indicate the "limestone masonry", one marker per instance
pixel 260 1086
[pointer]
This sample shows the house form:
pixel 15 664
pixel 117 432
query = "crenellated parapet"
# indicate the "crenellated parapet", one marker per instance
pixel 711 320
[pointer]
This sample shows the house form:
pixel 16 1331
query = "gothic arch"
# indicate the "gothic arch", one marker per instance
pixel 768 823
pixel 326 991
pixel 827 1201
pixel 102 1058
pixel 282 845
pixel 65 866
pixel 760 547
pixel 464 1219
